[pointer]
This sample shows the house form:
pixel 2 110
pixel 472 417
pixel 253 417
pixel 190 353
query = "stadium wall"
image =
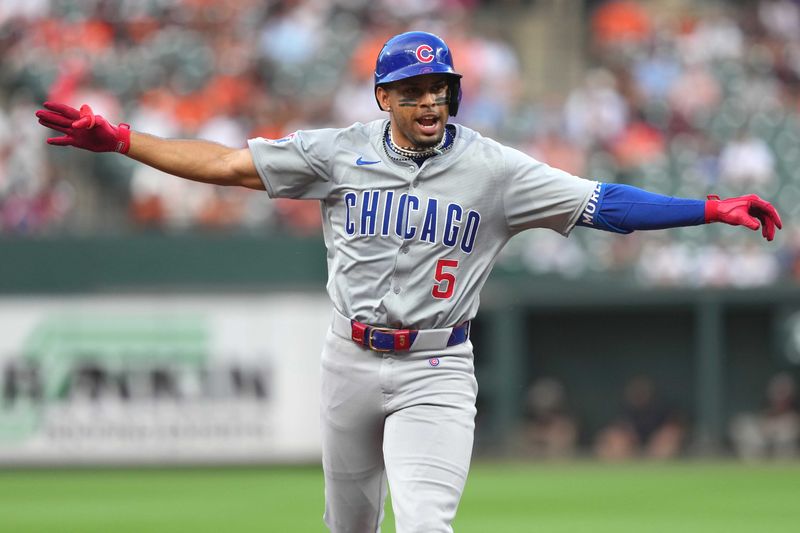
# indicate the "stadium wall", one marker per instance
pixel 709 351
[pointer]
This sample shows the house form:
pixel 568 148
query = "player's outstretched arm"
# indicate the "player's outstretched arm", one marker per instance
pixel 623 209
pixel 196 160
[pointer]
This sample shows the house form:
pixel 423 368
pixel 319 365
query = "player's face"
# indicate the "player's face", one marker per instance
pixel 418 108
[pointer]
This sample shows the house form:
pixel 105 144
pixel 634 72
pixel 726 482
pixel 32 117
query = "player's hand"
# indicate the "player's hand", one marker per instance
pixel 750 211
pixel 84 129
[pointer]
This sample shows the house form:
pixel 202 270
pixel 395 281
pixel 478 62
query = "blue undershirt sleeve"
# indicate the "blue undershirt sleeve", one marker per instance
pixel 623 209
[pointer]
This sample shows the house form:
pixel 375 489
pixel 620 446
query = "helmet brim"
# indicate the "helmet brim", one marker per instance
pixel 412 71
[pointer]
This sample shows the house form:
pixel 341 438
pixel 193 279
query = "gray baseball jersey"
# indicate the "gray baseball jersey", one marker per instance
pixel 409 246
pixel 412 246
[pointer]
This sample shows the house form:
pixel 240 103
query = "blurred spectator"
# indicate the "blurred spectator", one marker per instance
pixel 694 96
pixel 668 262
pixel 664 261
pixel 354 101
pixel 22 9
pixel 647 427
pixel 621 22
pixel 301 218
pixel 791 254
pixel 555 150
pixel 781 18
pixel 750 265
pixel 655 72
pixel 775 430
pixel 549 253
pixel 596 111
pixel 746 161
pixel 496 88
pixel 639 145
pixel 292 34
pixel 549 429
pixel 714 35
pixel 32 199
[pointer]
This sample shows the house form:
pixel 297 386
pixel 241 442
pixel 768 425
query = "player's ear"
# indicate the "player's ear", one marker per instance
pixel 382 95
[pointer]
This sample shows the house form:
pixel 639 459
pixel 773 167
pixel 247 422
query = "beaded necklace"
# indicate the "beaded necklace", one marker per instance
pixel 401 154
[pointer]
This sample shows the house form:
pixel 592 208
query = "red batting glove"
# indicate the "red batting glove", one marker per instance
pixel 750 211
pixel 84 129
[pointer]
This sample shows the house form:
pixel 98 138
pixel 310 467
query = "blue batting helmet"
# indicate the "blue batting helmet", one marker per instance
pixel 416 53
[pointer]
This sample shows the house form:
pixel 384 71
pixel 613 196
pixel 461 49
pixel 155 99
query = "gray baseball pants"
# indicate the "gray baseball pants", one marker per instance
pixel 408 418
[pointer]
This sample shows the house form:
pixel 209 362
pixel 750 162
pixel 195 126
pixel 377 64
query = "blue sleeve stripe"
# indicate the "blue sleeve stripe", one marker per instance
pixel 623 209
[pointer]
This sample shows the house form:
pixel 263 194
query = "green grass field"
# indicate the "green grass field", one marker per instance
pixel 500 498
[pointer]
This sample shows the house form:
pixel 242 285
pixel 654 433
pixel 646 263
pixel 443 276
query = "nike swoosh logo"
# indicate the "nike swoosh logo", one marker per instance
pixel 360 161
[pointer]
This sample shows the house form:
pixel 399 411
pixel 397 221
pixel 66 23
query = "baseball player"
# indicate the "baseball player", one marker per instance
pixel 415 210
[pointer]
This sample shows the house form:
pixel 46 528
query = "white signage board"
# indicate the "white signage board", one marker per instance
pixel 161 378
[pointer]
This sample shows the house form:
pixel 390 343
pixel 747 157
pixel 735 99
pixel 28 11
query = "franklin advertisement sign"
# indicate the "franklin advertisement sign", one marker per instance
pixel 160 379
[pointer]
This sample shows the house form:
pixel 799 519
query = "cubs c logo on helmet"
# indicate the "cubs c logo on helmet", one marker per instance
pixel 424 53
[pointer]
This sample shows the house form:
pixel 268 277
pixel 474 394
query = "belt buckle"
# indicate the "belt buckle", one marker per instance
pixel 375 348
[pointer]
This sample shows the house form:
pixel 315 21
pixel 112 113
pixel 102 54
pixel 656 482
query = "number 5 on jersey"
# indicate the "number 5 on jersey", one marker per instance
pixel 445 281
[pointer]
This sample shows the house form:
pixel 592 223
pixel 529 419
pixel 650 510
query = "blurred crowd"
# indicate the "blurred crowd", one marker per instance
pixel 684 101
pixel 220 71
pixel 645 424
pixel 648 426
